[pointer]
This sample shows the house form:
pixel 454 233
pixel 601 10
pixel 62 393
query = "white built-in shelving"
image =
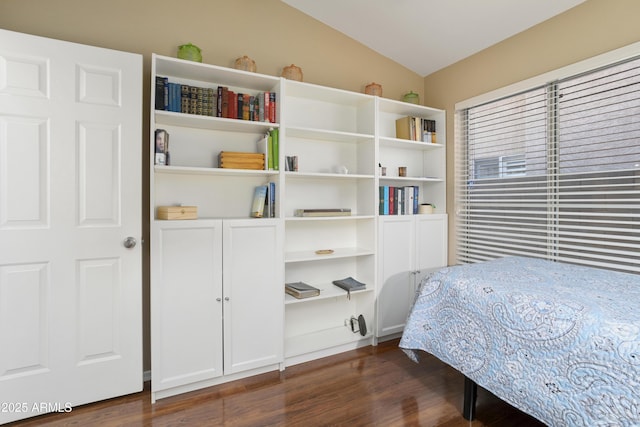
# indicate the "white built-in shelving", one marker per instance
pixel 339 139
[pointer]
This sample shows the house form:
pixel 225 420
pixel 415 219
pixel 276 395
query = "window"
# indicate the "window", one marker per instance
pixel 553 172
pixel 500 167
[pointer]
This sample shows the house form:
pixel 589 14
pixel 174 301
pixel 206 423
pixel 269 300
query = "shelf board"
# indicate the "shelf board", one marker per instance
pixel 326 94
pixel 405 109
pixel 410 179
pixel 328 135
pixel 326 292
pixel 223 76
pixel 408 144
pixel 321 340
pixel 303 256
pixel 324 175
pixel 188 170
pixel 170 118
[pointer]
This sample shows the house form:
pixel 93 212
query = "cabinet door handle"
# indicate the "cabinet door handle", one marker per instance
pixel 226 298
pixel 218 299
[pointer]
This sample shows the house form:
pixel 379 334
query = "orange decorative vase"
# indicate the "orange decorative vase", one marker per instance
pixel 246 64
pixel 373 89
pixel 292 72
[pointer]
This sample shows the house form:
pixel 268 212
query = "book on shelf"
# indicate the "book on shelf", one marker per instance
pixel 162 96
pixel 301 290
pixel 416 129
pixel 259 199
pixel 216 102
pixel 395 200
pixel 349 284
pixel 270 201
pixel 291 163
pixel 269 145
pixel 429 131
pixel 275 148
pixel 323 212
pixel 262 147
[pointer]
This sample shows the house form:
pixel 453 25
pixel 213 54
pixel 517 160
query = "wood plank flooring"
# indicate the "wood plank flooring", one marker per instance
pixel 372 386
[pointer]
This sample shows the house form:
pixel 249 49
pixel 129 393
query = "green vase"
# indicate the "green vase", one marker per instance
pixel 411 97
pixel 190 52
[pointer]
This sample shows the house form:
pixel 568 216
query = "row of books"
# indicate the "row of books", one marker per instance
pixel 398 200
pixel 302 290
pixel 416 129
pixel 269 145
pixel 264 201
pixel 217 102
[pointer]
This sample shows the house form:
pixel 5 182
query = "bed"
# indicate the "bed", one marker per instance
pixel 560 342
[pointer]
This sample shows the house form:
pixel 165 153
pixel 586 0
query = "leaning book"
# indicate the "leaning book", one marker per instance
pixel 301 290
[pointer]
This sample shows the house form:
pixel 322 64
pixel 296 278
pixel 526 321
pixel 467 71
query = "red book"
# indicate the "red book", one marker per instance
pixel 225 102
pixel 233 105
pixel 272 107
pixel 267 106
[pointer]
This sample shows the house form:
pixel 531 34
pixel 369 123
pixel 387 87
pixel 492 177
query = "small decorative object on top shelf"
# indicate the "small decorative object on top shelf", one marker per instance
pixel 177 212
pixel 162 147
pixel 292 72
pixel 373 89
pixel 426 208
pixel 411 97
pixel 240 160
pixel 190 52
pixel 245 64
pixel 340 169
pixel 324 251
pixel 402 171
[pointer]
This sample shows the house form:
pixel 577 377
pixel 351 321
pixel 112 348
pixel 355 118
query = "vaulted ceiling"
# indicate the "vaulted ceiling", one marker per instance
pixel 428 35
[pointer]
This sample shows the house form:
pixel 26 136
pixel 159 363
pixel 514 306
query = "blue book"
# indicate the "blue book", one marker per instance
pixel 259 198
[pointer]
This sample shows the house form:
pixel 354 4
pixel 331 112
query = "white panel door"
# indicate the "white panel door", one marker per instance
pixel 396 243
pixel 186 303
pixel 431 244
pixel 70 195
pixel 253 287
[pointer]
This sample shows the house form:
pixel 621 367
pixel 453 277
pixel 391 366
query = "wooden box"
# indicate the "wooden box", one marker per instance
pixel 236 160
pixel 177 212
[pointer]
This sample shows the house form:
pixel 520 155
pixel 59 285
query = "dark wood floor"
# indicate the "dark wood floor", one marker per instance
pixel 373 386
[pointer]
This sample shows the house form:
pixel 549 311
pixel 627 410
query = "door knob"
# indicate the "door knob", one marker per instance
pixel 129 242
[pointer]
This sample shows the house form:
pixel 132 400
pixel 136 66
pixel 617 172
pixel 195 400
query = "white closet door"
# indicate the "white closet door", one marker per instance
pixel 70 197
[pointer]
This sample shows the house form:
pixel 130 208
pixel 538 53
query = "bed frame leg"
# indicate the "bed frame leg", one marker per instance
pixel 470 396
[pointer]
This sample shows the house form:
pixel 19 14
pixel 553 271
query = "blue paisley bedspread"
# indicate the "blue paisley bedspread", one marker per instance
pixel 558 341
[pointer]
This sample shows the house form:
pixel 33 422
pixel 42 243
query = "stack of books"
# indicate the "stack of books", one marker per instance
pixel 301 290
pixel 323 212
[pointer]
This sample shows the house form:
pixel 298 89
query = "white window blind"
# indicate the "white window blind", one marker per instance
pixel 553 172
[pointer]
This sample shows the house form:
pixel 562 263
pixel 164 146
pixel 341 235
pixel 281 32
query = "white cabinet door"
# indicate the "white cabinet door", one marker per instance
pixel 431 244
pixel 253 294
pixel 186 303
pixel 396 266
pixel 70 191
pixel 410 247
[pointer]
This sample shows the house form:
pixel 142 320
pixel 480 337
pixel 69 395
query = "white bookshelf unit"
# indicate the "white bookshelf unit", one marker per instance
pixel 215 276
pixel 332 133
pixel 409 246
